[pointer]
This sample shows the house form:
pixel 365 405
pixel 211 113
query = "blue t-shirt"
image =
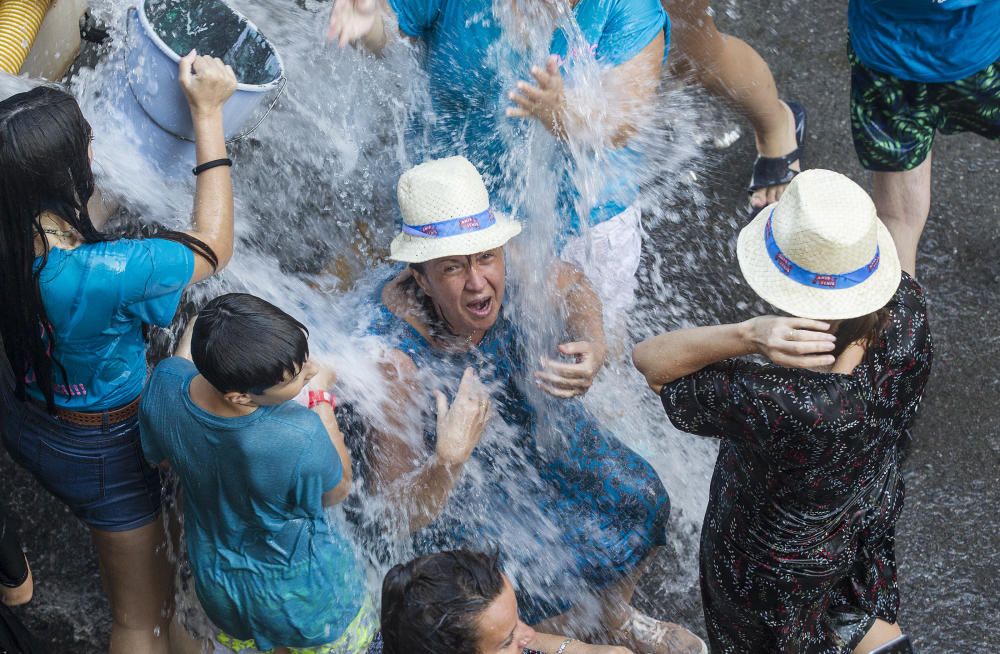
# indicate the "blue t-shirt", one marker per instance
pixel 97 297
pixel 471 69
pixel 267 563
pixel 926 40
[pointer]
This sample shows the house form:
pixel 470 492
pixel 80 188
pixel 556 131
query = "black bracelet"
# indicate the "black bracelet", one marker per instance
pixel 208 165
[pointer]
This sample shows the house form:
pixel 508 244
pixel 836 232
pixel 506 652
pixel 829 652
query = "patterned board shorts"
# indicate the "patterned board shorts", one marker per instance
pixel 355 639
pixel 893 121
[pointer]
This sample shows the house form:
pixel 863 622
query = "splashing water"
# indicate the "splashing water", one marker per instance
pixel 315 210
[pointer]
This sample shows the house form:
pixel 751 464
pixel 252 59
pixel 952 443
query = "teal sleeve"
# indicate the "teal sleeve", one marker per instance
pixel 631 26
pixel 416 17
pixel 320 456
pixel 156 273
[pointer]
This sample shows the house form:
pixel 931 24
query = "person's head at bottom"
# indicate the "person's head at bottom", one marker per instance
pixel 250 351
pixel 459 602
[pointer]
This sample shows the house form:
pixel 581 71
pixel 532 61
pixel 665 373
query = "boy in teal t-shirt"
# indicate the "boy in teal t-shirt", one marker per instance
pixel 257 471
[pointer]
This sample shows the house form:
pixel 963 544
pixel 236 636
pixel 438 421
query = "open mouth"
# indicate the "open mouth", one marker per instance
pixel 480 308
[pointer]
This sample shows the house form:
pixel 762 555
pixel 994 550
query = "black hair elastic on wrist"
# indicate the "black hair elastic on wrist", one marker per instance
pixel 208 165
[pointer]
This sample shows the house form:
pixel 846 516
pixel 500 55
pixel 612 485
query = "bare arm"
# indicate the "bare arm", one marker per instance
pixel 415 485
pixel 792 342
pixel 324 379
pixel 338 493
pixel 585 324
pixel 360 21
pixel 584 311
pixel 207 89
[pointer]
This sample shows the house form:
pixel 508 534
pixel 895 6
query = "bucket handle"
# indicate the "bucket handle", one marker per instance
pixel 239 137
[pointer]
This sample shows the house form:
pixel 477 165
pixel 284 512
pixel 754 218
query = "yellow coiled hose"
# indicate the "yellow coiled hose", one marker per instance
pixel 19 23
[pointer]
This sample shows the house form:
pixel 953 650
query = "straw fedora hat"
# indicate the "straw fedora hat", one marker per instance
pixel 820 252
pixel 446 212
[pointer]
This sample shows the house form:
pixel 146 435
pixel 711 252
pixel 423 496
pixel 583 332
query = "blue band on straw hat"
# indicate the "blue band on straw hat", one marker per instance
pixel 453 226
pixel 828 281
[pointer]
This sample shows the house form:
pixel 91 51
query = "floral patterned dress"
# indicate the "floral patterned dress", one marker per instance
pixel 797 547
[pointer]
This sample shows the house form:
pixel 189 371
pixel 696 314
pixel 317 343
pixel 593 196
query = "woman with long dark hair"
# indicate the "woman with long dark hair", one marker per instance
pixel 75 303
pixel 797 547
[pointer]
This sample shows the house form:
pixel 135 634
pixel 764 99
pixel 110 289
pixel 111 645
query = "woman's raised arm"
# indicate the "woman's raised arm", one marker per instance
pixel 416 486
pixel 791 342
pixel 208 83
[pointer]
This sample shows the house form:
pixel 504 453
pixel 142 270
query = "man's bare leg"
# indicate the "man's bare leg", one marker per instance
pixel 903 202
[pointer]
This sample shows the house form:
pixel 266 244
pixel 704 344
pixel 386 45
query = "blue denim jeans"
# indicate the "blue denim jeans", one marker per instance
pixel 98 472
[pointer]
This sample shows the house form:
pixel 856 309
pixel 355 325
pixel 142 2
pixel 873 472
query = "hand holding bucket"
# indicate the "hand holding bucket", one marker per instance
pixel 159 30
pixel 207 83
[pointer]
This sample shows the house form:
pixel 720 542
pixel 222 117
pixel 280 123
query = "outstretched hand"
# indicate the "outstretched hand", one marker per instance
pixel 351 20
pixel 207 81
pixel 566 380
pixel 460 427
pixel 792 342
pixel 545 102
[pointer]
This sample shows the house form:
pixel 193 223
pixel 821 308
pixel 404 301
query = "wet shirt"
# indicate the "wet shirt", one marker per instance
pixel 97 298
pixel 471 67
pixel 806 489
pixel 926 40
pixel 267 562
pixel 536 464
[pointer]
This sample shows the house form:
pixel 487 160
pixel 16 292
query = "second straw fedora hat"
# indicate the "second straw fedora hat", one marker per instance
pixel 446 212
pixel 820 252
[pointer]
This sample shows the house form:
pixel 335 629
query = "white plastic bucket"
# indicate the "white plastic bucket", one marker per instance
pixel 155 103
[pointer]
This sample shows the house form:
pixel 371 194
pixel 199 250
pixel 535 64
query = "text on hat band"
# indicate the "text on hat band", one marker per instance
pixel 808 278
pixel 453 226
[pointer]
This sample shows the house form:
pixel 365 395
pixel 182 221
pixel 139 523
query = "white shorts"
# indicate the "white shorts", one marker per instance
pixel 608 254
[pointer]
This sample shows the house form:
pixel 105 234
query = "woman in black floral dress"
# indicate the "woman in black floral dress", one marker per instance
pixel 797 547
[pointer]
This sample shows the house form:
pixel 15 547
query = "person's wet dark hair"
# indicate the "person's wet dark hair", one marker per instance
pixel 433 603
pixel 44 167
pixel 245 344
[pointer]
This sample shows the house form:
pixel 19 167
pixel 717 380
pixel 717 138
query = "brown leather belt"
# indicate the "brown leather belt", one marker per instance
pixel 99 418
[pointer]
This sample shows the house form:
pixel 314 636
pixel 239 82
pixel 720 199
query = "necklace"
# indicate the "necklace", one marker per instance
pixel 62 233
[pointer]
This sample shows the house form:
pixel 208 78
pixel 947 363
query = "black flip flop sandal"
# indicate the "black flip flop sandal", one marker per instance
pixel 774 171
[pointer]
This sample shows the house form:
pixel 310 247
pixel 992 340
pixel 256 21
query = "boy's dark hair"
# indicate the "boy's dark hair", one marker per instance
pixel 245 344
pixel 433 603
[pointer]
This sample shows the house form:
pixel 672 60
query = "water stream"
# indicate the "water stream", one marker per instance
pixel 315 210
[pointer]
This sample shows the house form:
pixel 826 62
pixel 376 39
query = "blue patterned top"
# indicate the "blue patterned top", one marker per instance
pixel 571 509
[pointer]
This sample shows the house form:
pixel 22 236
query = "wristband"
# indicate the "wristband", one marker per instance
pixel 208 165
pixel 319 397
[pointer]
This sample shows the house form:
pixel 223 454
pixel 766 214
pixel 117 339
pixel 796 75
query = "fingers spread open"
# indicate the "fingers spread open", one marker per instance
pixel 560 381
pixel 542 77
pixel 558 392
pixel 522 101
pixel 574 370
pixel 531 92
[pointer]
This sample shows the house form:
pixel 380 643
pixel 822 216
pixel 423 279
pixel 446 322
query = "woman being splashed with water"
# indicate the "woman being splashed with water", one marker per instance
pixel 574 511
pixel 587 71
pixel 76 301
